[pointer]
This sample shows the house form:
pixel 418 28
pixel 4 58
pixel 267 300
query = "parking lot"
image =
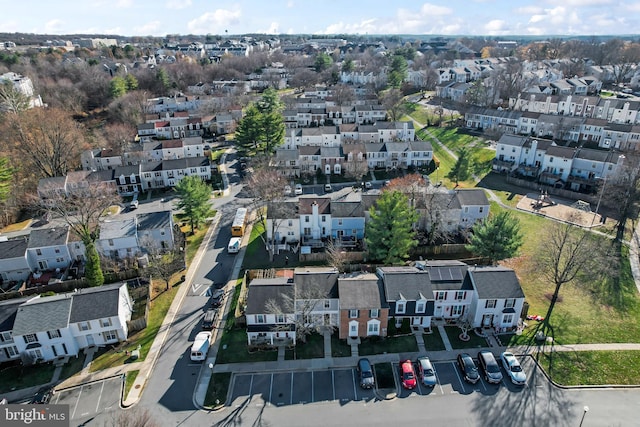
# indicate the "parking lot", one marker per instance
pixel 90 399
pixel 341 385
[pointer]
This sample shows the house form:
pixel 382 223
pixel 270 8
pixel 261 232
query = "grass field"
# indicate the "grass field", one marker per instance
pixel 217 390
pixel 17 377
pixel 592 367
pixel 128 381
pixel 400 344
pixel 433 341
pixel 312 349
pixel 339 348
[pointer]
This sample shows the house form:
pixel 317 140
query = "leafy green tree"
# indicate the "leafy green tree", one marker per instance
pixel 397 71
pixel 389 232
pixel 132 82
pixel 117 87
pixel 270 102
pixel 93 271
pixel 322 62
pixel 262 128
pixel 496 238
pixel 461 171
pixel 194 196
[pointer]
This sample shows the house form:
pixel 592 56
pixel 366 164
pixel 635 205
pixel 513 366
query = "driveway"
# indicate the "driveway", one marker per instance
pixel 87 401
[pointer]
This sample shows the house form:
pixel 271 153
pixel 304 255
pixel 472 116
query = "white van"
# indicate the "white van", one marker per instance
pixel 234 245
pixel 200 346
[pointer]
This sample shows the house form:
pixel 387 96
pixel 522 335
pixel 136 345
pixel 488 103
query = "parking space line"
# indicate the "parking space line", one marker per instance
pixel 291 392
pixel 312 399
pixel 76 405
pixel 100 396
pixel 438 381
pixel 333 385
pixel 482 382
pixel 355 392
pixel 251 386
pixel 270 390
pixel 455 369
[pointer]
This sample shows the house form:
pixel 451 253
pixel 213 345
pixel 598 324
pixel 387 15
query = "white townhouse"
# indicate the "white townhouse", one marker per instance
pixel 395 131
pixel 118 239
pixel 14 265
pixel 8 310
pixel 155 231
pixel 556 165
pixel 48 249
pixel 314 215
pixel 316 296
pixel 46 328
pixel 324 136
pixel 286 227
pixel 174 149
pixel 497 298
pixel 168 172
pixel 474 206
pixel 589 166
pixel 270 312
pixel 100 159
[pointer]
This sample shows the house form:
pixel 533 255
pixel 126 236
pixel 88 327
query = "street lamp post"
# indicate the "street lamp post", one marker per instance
pixel 586 409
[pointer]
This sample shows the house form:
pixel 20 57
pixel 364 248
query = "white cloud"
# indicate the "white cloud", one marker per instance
pixel 363 27
pixel 177 4
pixel 148 29
pixel 429 9
pixel 528 10
pixel 274 28
pixel 214 22
pixel 581 3
pixel 496 27
pixel 54 26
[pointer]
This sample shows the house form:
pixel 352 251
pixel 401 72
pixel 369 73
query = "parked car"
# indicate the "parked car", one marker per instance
pixel 298 189
pixel 365 372
pixel 368 185
pixel 209 318
pixel 513 368
pixel 468 368
pixel 43 396
pixel 216 298
pixel 408 375
pixel 488 363
pixel 133 204
pixel 327 188
pixel 287 190
pixel 426 373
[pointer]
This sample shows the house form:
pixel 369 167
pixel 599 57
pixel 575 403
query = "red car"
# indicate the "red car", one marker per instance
pixel 408 375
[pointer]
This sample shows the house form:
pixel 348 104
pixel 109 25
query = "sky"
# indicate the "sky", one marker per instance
pixel 452 17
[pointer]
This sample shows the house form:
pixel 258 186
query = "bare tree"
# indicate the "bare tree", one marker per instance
pixel 566 251
pixel 134 417
pixel 266 186
pixel 622 192
pixel 307 305
pixel 336 256
pixel 163 266
pixel 393 101
pixel 356 165
pixel 433 207
pixel 12 100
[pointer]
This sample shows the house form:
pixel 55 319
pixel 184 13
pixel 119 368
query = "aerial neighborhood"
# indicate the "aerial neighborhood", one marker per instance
pixel 380 217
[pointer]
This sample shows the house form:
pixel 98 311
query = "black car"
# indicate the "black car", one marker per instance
pixel 43 396
pixel 468 368
pixel 489 365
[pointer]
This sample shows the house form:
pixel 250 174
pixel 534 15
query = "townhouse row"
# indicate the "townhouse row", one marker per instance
pixel 362 305
pixel 311 220
pixel 577 169
pixel 45 328
pixel 49 254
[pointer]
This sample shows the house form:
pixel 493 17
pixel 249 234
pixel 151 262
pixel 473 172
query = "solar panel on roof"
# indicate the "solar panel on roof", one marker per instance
pixel 445 274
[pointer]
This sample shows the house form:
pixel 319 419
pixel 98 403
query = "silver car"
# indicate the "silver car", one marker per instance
pixel 426 373
pixel 514 370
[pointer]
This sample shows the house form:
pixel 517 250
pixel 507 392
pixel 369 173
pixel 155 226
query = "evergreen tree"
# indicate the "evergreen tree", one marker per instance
pixel 6 178
pixel 262 128
pixel 322 62
pixel 496 238
pixel 117 87
pixel 132 82
pixel 248 132
pixel 389 231
pixel 93 271
pixel 397 71
pixel 194 197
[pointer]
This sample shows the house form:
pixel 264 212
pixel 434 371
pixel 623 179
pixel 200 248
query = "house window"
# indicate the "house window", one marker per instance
pixel 29 338
pixel 401 307
pixel 457 310
pixel 420 307
pixel 327 303
pixel 11 351
pixel 260 318
pixel 353 314
pixel 85 326
pixel 280 318
pixel 290 223
pixel 340 221
pixel 324 218
pixel 374 313
pixel 490 303
pixel 440 296
pixel 481 209
pixel 507 319
pixel 306 218
pixel 110 335
pixel 110 242
pixel 510 303
pixel 6 336
pixel 459 295
pixel 57 250
pixel 373 328
pixel 105 322
pixel 55 333
pixel 38 252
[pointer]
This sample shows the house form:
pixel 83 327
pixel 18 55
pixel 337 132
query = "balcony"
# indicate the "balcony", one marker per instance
pixel 503 163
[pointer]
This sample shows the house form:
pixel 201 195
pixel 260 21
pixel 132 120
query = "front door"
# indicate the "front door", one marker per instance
pixel 90 341
pixel 353 329
pixel 486 320
pixel 438 311
pixel 416 321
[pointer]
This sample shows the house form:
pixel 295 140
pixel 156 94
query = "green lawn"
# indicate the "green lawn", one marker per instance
pixel 592 367
pixel 217 390
pixel 72 367
pixel 401 344
pixel 130 378
pixel 234 349
pixel 339 348
pixel 17 377
pixel 509 194
pixel 433 341
pixel 158 309
pixel 312 349
pixel 475 341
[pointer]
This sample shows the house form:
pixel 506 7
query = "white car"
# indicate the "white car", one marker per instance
pixel 298 189
pixel 513 368
pixel 287 190
pixel 368 185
